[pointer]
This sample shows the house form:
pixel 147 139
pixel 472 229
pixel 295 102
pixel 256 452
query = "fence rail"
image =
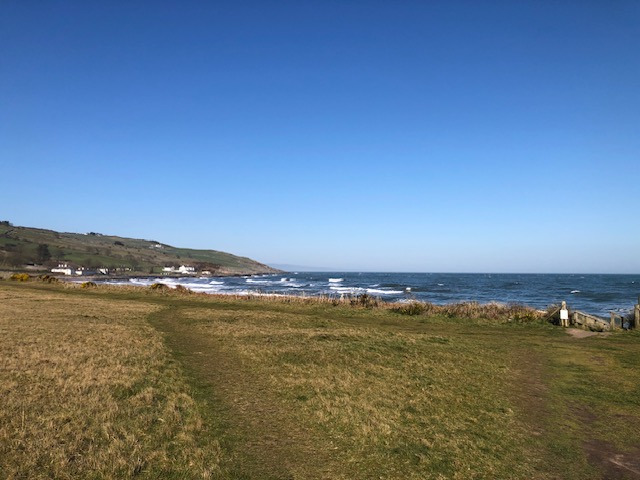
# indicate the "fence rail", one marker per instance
pixel 586 320
pixel 567 317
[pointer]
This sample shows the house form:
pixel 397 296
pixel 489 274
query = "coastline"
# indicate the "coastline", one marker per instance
pixel 598 295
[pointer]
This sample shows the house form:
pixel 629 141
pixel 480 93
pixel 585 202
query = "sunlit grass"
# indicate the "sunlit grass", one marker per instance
pixel 87 390
pixel 111 382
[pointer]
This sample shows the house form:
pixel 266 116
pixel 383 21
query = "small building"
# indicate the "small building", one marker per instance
pixel 186 269
pixel 82 271
pixel 63 268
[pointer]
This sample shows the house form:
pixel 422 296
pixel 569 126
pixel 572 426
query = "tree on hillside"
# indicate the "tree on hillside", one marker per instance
pixel 15 259
pixel 92 262
pixel 43 253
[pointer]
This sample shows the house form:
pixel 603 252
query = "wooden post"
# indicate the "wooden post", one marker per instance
pixel 636 315
pixel 612 322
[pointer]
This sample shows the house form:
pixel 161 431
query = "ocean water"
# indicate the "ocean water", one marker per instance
pixel 595 294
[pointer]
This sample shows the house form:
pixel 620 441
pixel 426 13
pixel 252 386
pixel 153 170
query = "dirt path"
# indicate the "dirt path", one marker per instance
pixel 579 333
pixel 531 394
pixel 264 440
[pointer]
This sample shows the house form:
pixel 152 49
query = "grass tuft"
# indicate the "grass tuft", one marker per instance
pixel 475 310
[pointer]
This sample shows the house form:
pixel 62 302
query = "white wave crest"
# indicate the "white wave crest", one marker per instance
pixel 336 280
pixel 350 290
pixel 146 281
pixel 374 291
pixel 261 282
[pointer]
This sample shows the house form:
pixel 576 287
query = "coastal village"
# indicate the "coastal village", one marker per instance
pixel 79 270
pixel 68 254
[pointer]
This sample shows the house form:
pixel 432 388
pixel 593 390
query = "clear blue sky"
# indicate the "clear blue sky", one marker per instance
pixel 456 136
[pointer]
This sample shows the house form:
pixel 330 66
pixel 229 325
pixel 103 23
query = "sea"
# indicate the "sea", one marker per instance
pixel 591 293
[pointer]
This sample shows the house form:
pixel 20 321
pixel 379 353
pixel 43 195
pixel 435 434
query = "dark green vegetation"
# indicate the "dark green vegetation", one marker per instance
pixel 158 383
pixel 20 246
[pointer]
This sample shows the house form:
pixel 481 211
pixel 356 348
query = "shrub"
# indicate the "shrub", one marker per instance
pixel 364 300
pixel 413 308
pixel 526 315
pixel 491 311
pixel 158 286
pixel 89 285
pixel 20 277
pixel 48 279
pixel 183 290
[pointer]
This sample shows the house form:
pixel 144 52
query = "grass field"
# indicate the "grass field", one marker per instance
pixel 121 383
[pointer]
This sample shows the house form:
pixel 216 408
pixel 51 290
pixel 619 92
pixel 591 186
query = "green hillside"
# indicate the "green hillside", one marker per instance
pixel 24 246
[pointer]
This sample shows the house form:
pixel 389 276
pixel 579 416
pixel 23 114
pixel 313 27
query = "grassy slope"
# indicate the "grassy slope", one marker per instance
pixel 269 389
pixel 102 250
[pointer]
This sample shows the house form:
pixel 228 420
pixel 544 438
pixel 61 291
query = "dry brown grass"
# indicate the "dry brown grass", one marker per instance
pixel 303 389
pixel 87 390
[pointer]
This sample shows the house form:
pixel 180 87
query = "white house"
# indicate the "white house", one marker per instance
pixel 62 268
pixel 184 269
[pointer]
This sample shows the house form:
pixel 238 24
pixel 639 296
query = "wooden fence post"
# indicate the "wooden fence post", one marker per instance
pixel 612 322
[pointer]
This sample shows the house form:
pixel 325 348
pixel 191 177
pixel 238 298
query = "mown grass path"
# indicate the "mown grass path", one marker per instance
pixel 314 393
pixel 261 437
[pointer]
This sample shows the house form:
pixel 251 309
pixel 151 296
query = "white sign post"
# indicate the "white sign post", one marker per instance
pixel 564 315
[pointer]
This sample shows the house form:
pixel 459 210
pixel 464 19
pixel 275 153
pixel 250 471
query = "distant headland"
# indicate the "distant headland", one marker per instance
pixel 27 248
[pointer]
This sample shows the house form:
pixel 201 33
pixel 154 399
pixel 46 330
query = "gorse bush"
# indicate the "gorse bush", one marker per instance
pixel 89 285
pixel 158 286
pixel 20 277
